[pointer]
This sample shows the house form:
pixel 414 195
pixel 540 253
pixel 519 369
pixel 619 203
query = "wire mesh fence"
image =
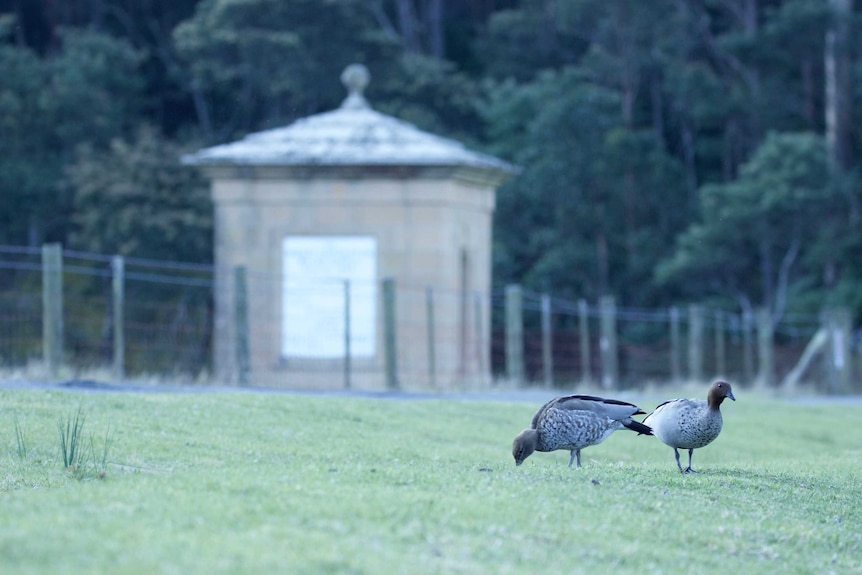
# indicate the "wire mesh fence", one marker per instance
pixel 134 317
pixel 651 345
pixel 167 312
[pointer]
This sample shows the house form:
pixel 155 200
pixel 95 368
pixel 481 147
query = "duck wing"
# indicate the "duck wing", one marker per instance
pixel 612 408
pixel 672 405
pixel 534 424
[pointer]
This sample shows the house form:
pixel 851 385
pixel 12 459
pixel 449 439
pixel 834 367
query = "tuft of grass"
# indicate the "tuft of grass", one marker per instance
pixel 71 432
pixel 20 440
pixel 81 457
pixel 100 464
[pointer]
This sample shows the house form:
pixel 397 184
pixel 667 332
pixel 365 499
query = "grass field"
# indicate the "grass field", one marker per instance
pixel 277 483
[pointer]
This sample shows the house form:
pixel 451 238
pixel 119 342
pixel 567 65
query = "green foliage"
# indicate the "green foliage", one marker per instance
pixel 433 94
pixel 522 41
pixel 750 230
pixel 95 88
pixel 254 63
pixel 87 92
pixel 28 171
pixel 578 221
pixel 137 199
pixel 306 484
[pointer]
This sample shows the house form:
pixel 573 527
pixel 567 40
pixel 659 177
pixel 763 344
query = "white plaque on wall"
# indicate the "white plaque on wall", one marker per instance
pixel 317 274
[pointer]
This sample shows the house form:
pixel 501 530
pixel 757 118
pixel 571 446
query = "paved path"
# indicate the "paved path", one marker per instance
pixel 92 386
pixel 530 395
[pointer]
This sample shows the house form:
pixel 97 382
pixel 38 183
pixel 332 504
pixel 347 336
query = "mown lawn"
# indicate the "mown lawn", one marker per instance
pixel 276 483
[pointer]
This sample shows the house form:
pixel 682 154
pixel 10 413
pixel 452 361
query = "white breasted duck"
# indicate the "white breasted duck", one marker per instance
pixel 574 422
pixel 690 423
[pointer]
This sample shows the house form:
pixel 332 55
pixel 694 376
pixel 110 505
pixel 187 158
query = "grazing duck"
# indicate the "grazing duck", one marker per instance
pixel 689 423
pixel 574 422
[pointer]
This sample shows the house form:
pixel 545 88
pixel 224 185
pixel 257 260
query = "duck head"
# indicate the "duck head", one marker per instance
pixel 718 392
pixel 524 445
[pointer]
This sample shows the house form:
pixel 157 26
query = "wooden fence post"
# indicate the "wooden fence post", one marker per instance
pixel 390 338
pixel 240 295
pixel 608 341
pixel 839 361
pixel 675 346
pixel 747 347
pixel 547 342
pixel 695 343
pixel 52 307
pixel 429 320
pixel 765 354
pixel 720 347
pixel 347 328
pixel 118 293
pixel 584 341
pixel 479 337
pixel 515 334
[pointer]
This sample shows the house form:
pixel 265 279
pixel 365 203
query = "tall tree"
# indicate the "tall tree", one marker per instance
pixel 754 232
pixel 86 91
pixel 838 83
pixel 421 26
pixel 523 41
pixel 135 198
pixel 27 167
pixel 254 63
pixel 558 223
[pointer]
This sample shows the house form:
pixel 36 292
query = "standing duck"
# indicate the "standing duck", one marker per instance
pixel 574 422
pixel 690 423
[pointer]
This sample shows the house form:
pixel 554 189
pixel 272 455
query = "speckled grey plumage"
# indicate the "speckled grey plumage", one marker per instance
pixel 690 423
pixel 574 422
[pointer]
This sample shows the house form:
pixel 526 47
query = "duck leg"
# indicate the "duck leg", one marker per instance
pixel 687 469
pixel 676 455
pixel 576 454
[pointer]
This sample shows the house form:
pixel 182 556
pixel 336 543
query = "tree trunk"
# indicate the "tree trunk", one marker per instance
pixel 408 26
pixel 747 126
pixel 766 269
pixel 808 97
pixel 437 38
pixel 629 77
pixel 752 75
pixel 202 111
pixel 602 260
pixel 837 72
pixel 728 157
pixel 688 152
pixel 657 105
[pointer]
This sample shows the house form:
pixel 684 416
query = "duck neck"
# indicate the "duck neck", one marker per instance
pixel 535 439
pixel 714 400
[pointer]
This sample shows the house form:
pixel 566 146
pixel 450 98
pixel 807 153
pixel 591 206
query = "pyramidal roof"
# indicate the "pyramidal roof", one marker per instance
pixel 352 135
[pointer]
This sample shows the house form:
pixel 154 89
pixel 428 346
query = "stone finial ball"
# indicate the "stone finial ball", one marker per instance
pixel 355 78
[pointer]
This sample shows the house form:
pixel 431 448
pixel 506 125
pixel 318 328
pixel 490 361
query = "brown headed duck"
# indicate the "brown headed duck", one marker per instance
pixel 690 423
pixel 574 422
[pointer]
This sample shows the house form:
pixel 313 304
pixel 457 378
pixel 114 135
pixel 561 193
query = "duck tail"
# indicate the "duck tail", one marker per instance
pixel 638 426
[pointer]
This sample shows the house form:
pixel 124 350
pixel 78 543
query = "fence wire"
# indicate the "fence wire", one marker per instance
pixel 171 328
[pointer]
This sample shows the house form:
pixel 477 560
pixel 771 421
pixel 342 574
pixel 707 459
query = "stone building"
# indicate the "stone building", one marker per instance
pixel 319 214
